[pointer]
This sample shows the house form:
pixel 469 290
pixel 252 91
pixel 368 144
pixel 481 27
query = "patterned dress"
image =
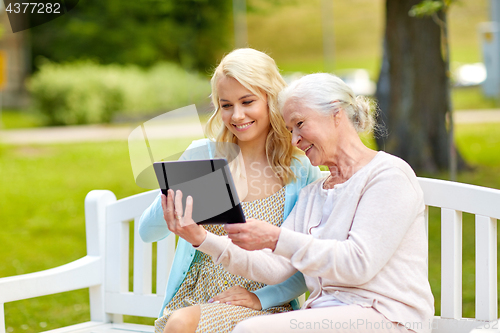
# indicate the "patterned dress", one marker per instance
pixel 205 279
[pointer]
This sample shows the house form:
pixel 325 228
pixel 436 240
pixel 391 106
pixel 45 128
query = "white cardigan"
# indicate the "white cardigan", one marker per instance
pixel 372 251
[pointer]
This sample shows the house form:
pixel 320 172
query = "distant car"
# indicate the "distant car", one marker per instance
pixel 469 75
pixel 359 81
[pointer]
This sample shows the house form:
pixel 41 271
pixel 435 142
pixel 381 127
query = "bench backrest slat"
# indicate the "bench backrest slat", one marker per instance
pixel 462 197
pixel 486 268
pixel 451 263
pixel 117 257
pixel 165 255
pixel 143 258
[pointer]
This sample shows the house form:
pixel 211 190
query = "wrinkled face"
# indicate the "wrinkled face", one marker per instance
pixel 245 114
pixel 312 131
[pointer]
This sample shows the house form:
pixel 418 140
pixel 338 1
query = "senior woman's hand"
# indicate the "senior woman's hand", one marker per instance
pixel 253 235
pixel 182 224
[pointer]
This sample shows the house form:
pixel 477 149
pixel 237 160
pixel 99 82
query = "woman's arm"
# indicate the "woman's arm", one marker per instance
pixel 261 266
pixel 152 225
pixel 384 214
pixel 285 292
pixel 266 297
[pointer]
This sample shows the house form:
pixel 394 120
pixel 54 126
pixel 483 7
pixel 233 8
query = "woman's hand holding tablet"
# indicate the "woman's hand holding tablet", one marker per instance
pixel 179 222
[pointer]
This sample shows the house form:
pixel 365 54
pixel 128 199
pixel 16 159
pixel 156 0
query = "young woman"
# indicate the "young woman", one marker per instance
pixel 201 296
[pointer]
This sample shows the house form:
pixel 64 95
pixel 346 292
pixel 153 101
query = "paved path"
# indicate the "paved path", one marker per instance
pixel 86 133
pixel 71 134
pixel 477 116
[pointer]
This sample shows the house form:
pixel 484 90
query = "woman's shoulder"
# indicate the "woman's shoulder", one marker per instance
pixel 198 149
pixel 395 169
pixel 392 163
pixel 200 143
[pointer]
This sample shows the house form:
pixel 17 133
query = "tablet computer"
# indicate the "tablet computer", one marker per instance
pixel 209 182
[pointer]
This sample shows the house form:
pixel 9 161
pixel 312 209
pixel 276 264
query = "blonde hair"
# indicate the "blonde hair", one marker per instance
pixel 324 93
pixel 257 72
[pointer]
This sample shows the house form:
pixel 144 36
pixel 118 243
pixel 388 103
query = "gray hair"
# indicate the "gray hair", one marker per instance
pixel 326 93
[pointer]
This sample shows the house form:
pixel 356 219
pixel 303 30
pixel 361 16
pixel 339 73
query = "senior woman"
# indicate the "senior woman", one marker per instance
pixel 358 235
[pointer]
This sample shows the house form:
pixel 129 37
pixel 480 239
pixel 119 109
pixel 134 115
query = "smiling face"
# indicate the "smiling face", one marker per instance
pixel 245 114
pixel 312 132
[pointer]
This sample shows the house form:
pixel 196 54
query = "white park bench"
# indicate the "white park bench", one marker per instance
pixel 105 268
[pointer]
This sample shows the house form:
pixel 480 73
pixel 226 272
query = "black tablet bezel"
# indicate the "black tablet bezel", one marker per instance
pixel 233 215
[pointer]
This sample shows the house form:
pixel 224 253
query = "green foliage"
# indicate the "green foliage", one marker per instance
pixel 86 92
pixel 191 32
pixel 426 8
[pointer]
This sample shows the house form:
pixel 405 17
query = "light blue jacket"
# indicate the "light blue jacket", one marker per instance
pixel 152 228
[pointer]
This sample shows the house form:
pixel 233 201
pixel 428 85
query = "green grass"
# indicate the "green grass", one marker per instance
pixel 472 98
pixel 19 119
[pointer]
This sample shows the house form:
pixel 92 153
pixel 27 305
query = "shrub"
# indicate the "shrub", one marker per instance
pixel 85 92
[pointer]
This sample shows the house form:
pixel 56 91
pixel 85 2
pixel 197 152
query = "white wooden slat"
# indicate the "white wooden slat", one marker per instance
pixel 426 218
pixel 99 327
pixel 117 317
pixel 143 261
pixel 462 325
pixel 96 203
pixel 463 197
pixel 89 326
pixel 451 264
pixel 2 318
pixel 133 304
pixel 130 207
pixel 97 300
pixel 81 273
pixel 486 268
pixel 117 252
pixel 164 259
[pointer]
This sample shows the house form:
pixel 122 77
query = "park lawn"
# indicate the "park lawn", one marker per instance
pixel 19 119
pixel 43 189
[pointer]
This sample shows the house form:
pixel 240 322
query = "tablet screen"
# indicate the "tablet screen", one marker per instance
pixel 211 185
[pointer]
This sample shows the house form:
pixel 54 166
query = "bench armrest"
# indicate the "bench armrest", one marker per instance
pixel 81 273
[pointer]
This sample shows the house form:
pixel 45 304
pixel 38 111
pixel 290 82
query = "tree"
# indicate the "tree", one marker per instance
pixel 413 89
pixel 193 33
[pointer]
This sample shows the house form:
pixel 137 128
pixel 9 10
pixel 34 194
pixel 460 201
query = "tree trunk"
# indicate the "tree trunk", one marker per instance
pixel 412 90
